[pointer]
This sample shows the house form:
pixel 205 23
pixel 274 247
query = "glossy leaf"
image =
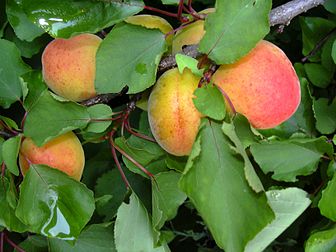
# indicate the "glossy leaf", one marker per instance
pixel 36 88
pixel 222 41
pixel 59 206
pixel 166 198
pixel 327 204
pixel 49 118
pixel 11 68
pixel 325 115
pixel 210 102
pixel 7 213
pixel 213 180
pixel 94 238
pixel 23 27
pixel 98 113
pixel 67 18
pixel 287 204
pixel 277 157
pixel 1 144
pixel 324 240
pixel 128 56
pixel 10 152
pixel 133 229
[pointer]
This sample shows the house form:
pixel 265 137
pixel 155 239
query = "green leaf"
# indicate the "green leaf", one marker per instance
pixel 98 113
pixel 34 243
pixel 176 163
pixel 313 30
pixel 133 229
pixel 59 206
pixel 67 18
pixel 290 158
pixel 36 88
pixel 325 115
pixel 23 27
pixel 10 152
pixel 223 41
pixel 330 5
pixel 49 118
pixel 326 56
pixel 210 102
pixel 322 241
pixel 213 180
pixel 9 122
pixel 318 75
pixel 7 213
pixel 11 67
pixel 110 184
pixel 170 2
pixel 327 203
pixel 128 56
pixel 184 61
pixel 287 204
pixel 333 51
pixel 250 174
pixel 94 238
pixel 166 198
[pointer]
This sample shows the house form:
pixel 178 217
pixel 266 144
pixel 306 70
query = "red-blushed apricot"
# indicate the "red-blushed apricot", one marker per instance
pixel 173 118
pixel 263 85
pixel 69 66
pixel 152 22
pixel 64 153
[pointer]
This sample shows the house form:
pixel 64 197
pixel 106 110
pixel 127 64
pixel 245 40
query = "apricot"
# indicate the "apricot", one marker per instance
pixel 191 34
pixel 173 118
pixel 69 66
pixel 64 153
pixel 263 85
pixel 152 22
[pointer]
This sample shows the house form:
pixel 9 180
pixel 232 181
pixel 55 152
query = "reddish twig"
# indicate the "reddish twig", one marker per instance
pixel 13 244
pixel 115 158
pixel 137 134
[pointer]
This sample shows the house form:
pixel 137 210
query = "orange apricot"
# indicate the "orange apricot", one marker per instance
pixel 69 66
pixel 173 118
pixel 263 85
pixel 64 153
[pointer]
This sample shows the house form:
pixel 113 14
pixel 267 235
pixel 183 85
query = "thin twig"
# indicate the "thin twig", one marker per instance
pixel 319 45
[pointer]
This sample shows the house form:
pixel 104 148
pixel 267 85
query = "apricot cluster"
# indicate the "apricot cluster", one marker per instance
pixel 263 86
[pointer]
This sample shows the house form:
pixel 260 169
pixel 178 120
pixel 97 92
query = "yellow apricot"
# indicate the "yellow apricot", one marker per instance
pixel 263 85
pixel 64 153
pixel 69 66
pixel 173 118
pixel 191 34
pixel 152 22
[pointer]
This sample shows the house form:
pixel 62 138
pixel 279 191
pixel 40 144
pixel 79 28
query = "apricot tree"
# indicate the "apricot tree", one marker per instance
pixel 167 125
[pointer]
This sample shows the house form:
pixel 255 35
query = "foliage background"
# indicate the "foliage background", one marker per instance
pixel 297 169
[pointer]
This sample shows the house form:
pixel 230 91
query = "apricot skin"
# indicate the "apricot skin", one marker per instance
pixel 64 153
pixel 173 118
pixel 152 22
pixel 263 86
pixel 69 66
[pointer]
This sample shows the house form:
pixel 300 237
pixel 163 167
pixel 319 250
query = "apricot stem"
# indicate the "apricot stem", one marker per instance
pixel 115 158
pixel 227 98
pixel 167 13
pixel 10 242
pixel 137 134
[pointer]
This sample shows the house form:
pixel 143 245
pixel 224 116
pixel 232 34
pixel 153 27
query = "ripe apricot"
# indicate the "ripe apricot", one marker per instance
pixel 173 118
pixel 263 85
pixel 64 153
pixel 152 22
pixel 69 66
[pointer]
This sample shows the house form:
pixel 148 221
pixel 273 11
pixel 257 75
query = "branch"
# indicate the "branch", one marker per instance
pixel 283 14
